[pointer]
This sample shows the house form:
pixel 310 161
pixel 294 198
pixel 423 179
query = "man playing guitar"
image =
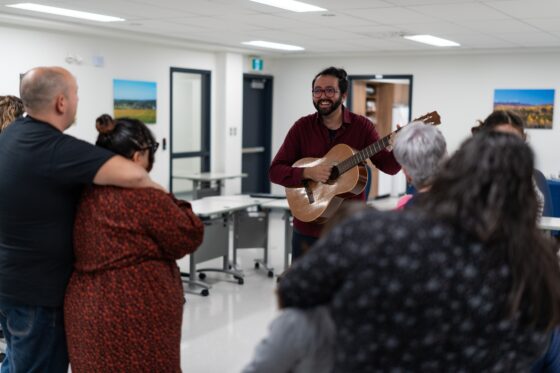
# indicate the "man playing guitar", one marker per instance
pixel 314 135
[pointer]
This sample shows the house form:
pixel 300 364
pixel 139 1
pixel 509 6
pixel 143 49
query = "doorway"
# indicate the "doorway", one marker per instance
pixel 386 100
pixel 257 133
pixel 189 127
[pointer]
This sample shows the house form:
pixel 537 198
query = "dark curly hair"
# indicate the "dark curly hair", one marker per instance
pixel 486 190
pixel 125 136
pixel 338 73
pixel 499 118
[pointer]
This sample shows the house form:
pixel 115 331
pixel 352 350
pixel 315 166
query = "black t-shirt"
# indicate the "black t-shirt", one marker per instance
pixel 42 173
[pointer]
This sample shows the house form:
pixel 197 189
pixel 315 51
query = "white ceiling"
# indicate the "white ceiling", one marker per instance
pixel 348 27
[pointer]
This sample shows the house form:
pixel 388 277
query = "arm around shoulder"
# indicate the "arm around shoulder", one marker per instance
pixel 119 171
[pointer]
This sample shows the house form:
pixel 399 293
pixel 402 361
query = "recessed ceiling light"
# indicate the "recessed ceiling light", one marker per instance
pixel 65 12
pixel 294 6
pixel 271 45
pixel 432 40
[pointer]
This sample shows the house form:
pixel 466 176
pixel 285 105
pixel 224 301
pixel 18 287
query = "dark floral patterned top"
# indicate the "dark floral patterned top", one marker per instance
pixel 124 303
pixel 409 294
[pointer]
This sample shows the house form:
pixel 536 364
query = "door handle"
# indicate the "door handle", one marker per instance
pixel 255 149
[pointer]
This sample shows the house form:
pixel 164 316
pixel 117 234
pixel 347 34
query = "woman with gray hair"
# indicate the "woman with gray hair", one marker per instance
pixel 420 149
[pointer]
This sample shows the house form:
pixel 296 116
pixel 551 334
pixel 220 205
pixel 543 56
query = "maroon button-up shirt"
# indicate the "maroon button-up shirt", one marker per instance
pixel 309 137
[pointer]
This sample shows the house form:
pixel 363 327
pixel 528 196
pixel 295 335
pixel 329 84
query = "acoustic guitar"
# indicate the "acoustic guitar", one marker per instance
pixel 317 202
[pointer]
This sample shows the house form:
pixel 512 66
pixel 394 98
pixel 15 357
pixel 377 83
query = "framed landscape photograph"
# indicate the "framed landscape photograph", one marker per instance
pixel 135 99
pixel 535 106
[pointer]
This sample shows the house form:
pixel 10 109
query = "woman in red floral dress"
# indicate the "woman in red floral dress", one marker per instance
pixel 124 303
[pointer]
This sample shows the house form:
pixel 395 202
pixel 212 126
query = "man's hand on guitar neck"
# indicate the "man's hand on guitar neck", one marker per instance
pixel 392 139
pixel 319 173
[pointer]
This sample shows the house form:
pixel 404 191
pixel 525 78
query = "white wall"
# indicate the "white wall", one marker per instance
pixel 23 49
pixel 459 87
pixel 229 98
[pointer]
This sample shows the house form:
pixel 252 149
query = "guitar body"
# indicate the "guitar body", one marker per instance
pixel 326 197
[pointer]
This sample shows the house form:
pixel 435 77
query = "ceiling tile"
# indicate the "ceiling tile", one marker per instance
pixel 460 12
pixel 325 34
pixel 427 2
pixel 332 5
pixel 536 39
pixel 387 15
pixel 498 25
pixel 545 24
pixel 272 21
pixel 440 29
pixel 357 25
pixel 216 23
pixel 528 8
pixel 479 40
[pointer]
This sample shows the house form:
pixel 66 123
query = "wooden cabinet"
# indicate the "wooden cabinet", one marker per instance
pixel 376 100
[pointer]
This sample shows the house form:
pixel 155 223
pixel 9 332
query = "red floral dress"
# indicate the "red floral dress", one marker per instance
pixel 124 303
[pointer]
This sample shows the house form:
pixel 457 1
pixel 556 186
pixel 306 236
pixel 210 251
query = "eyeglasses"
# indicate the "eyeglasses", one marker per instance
pixel 152 148
pixel 329 92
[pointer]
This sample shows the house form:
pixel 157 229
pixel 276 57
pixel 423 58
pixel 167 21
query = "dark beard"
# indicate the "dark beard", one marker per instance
pixel 327 111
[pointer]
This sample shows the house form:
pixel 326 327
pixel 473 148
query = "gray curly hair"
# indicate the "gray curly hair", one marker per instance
pixel 420 149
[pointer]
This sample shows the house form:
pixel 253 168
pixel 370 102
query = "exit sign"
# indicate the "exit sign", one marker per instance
pixel 257 64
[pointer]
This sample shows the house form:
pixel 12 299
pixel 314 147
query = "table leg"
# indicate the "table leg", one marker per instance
pixel 287 239
pixel 196 187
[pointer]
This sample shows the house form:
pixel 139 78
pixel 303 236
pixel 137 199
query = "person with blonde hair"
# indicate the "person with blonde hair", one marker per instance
pixel 11 108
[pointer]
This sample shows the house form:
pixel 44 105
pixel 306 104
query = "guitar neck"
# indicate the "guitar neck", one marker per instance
pixel 368 152
pixel 432 118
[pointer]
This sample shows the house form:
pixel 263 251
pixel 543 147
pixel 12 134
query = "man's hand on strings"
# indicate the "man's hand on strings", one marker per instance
pixel 392 138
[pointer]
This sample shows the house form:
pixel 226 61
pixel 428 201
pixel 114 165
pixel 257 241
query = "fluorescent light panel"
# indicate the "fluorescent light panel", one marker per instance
pixel 432 40
pixel 65 12
pixel 271 45
pixel 294 6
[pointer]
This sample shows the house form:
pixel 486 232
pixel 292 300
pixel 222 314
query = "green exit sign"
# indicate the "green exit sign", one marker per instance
pixel 257 64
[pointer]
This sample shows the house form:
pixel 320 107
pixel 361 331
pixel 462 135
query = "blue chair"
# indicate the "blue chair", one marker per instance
pixel 550 361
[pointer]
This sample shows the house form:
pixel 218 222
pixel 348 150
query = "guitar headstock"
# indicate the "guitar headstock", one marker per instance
pixel 432 118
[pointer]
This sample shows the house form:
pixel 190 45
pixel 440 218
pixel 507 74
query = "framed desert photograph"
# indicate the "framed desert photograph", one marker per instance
pixel 535 106
pixel 135 99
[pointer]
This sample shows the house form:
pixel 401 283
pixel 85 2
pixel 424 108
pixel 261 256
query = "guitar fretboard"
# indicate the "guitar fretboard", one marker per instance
pixel 369 151
pixel 364 154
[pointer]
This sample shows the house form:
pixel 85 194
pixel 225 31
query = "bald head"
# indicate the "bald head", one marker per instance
pixel 40 86
pixel 48 93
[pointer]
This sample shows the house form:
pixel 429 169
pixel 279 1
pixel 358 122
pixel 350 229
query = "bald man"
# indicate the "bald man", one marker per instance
pixel 43 173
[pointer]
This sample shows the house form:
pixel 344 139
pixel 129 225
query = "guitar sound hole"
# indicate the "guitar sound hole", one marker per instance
pixel 335 173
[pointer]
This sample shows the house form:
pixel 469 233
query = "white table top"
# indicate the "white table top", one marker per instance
pixel 207 176
pixel 222 204
pixel 276 204
pixel 549 223
pixel 210 206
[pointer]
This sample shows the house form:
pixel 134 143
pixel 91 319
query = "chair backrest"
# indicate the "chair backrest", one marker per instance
pixel 368 183
pixel 540 180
